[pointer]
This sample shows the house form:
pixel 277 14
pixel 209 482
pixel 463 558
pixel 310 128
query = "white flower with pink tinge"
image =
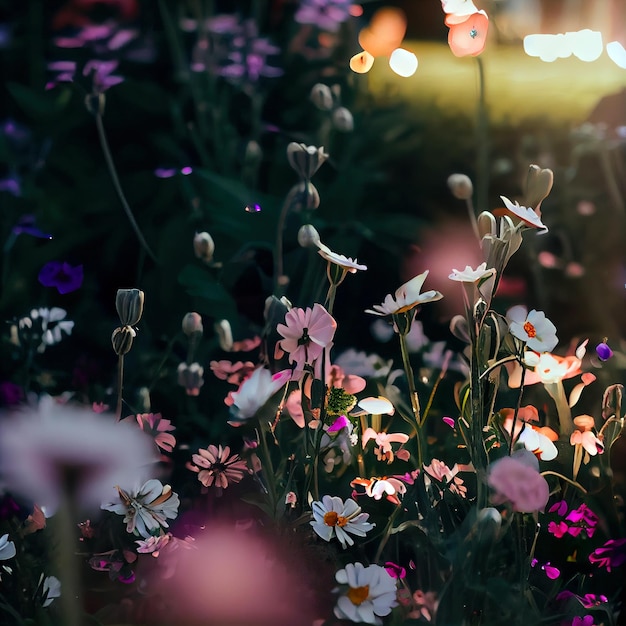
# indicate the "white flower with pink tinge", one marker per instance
pixel 406 297
pixel 333 517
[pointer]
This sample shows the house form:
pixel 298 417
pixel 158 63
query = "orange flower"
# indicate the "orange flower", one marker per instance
pixel 469 37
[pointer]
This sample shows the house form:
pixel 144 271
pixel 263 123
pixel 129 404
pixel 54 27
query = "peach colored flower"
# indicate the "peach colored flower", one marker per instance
pixel 584 435
pixel 233 373
pixel 376 488
pixel 384 441
pixel 217 468
pixel 468 37
pixel 158 428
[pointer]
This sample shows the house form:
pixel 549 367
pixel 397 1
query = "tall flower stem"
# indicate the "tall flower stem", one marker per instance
pixel 120 387
pixel 482 125
pixel 104 144
pixel 415 403
pixel 518 404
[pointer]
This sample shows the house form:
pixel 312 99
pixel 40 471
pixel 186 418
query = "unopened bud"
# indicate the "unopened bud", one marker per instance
pixel 192 324
pixel 191 378
pixel 224 335
pixel 122 339
pixel 322 97
pixel 304 195
pixel 305 160
pixel 461 186
pixel 129 305
pixel 308 237
pixel 538 186
pixel 204 246
pixel 343 120
pixel 253 151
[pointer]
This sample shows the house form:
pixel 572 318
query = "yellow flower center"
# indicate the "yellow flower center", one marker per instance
pixel 358 595
pixel 530 330
pixel 332 519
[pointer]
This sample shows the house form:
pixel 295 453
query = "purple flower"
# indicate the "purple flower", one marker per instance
pixel 603 351
pixel 102 75
pixel 62 276
pixel 587 620
pixel 325 14
pixel 26 226
pixel 611 554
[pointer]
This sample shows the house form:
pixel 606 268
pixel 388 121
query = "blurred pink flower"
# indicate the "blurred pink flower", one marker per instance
pixel 384 441
pixel 233 373
pixel 516 479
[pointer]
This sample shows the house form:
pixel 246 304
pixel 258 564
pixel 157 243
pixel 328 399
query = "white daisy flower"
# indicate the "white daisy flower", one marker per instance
pixel 146 509
pixel 534 328
pixel 371 593
pixel 406 297
pixel 344 262
pixel 255 391
pixel 469 275
pixel 334 517
pixel 527 215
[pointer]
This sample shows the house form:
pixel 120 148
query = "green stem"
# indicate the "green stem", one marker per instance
pixel 482 124
pixel 104 144
pixel 120 386
pixel 387 532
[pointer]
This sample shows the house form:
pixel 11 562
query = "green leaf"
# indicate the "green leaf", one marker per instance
pixel 40 104
pixel 213 299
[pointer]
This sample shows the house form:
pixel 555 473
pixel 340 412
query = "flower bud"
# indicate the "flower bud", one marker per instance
pixel 224 335
pixel 129 305
pixel 305 160
pixel 461 186
pixel 204 246
pixel 122 339
pixel 343 120
pixel 191 378
pixel 304 195
pixel 322 97
pixel 253 151
pixel 538 186
pixel 192 324
pixel 308 237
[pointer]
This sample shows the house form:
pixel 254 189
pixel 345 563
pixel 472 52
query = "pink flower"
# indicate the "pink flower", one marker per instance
pixel 158 428
pixel 443 474
pixel 215 467
pixel 384 441
pixel 517 479
pixel 585 437
pixel 255 391
pixel 306 333
pixel 233 373
pixel 558 529
pixel 470 36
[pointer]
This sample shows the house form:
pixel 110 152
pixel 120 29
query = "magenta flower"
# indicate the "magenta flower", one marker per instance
pixel 611 554
pixel 394 570
pixel 62 276
pixel 306 333
pixel 517 479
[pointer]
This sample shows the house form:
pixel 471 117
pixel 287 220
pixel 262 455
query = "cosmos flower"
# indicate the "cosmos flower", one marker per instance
pixel 43 450
pixel 158 428
pixel 153 545
pixel 216 468
pixel 306 332
pixel 376 488
pixel 147 508
pixel 255 391
pixel 333 517
pixel 469 275
pixel 370 594
pixel 62 276
pixel 534 328
pixel 406 297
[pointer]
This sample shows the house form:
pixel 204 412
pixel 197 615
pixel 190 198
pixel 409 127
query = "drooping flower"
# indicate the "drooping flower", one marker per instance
pixel 371 593
pixel 406 297
pixel 525 214
pixel 468 30
pixel 255 391
pixel 7 548
pixel 147 508
pixel 334 517
pixel 217 468
pixel 584 435
pixel 61 275
pixel 516 479
pixel 306 333
pixel 534 328
pixel 54 447
pixel 158 428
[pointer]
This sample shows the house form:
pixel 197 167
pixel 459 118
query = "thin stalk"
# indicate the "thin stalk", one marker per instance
pixel 120 386
pixel 278 251
pixel 387 532
pixel 517 405
pixel 104 144
pixel 415 403
pixel 482 156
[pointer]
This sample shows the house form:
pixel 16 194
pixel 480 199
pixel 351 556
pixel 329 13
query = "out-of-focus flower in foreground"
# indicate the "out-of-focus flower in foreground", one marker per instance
pixel 56 447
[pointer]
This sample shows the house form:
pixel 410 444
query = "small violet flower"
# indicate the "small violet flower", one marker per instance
pixel 61 275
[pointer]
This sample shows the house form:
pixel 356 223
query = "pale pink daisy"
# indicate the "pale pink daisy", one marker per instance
pixel 384 441
pixel 158 428
pixel 217 468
